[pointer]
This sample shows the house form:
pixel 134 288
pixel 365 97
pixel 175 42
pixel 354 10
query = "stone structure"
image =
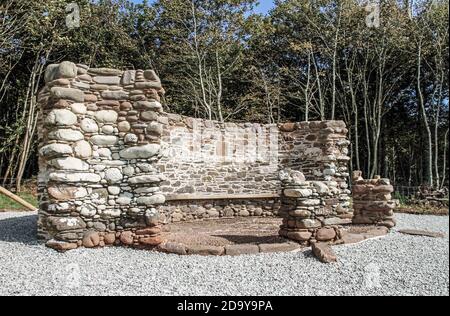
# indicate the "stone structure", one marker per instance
pixel 225 170
pixel 114 166
pixel 100 139
pixel 315 194
pixel 312 210
pixel 372 201
pixel 218 170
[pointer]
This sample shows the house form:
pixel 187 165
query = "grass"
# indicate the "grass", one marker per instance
pixel 6 204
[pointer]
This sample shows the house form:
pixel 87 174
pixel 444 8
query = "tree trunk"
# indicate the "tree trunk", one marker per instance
pixel 429 154
pixel 220 88
pixel 444 167
pixel 436 130
pixel 30 131
pixel 308 81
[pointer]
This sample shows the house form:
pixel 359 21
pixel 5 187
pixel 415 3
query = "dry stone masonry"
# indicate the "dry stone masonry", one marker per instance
pixel 100 138
pixel 315 193
pixel 311 210
pixel 219 170
pixel 114 167
pixel 372 201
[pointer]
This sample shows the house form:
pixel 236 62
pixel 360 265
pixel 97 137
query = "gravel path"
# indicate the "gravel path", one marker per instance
pixel 395 265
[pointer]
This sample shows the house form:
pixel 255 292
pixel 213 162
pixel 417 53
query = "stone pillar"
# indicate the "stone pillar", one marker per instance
pixel 99 137
pixel 372 201
pixel 334 162
pixel 320 151
pixel 306 216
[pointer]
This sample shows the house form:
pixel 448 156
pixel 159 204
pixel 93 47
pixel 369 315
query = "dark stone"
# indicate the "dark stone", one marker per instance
pixel 66 224
pixel 102 193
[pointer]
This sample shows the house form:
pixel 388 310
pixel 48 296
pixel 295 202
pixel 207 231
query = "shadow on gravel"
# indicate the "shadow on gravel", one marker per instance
pixel 21 229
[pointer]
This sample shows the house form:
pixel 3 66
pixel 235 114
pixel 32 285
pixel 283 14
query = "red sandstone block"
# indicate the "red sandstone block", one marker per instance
pixel 151 241
pixel 279 247
pixel 323 252
pixel 325 234
pixel 61 246
pixel 126 238
pixel 299 235
pixel 149 231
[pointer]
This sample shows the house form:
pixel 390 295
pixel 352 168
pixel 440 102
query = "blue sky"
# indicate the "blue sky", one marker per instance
pixel 264 5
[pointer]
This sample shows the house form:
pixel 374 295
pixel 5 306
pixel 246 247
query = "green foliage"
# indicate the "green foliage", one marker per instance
pixel 217 59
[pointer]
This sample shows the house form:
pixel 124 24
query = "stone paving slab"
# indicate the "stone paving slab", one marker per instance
pixel 416 232
pixel 245 236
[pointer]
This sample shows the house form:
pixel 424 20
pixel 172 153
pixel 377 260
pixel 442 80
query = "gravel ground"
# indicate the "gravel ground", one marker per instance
pixel 394 265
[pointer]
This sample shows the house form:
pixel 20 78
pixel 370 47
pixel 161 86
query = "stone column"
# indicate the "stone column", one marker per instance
pixel 99 137
pixel 320 151
pixel 372 201
pixel 306 217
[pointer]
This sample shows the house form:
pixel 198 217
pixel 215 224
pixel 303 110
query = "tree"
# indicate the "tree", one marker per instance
pixel 304 60
pixel 200 49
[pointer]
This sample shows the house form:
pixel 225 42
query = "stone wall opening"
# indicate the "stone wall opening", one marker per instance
pixel 114 166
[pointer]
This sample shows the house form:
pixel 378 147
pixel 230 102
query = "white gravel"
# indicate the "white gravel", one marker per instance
pixel 395 265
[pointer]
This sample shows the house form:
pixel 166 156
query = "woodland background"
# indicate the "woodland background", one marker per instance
pixel 304 60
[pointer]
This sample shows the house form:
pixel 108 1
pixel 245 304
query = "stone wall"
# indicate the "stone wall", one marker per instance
pixel 188 210
pixel 208 157
pixel 113 165
pixel 208 165
pixel 372 201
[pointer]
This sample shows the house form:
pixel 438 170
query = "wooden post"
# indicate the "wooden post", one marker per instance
pixel 19 200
